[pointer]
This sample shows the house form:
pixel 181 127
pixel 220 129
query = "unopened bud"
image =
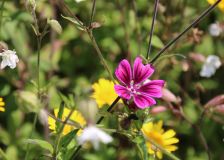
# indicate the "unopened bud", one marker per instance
pixel 31 5
pixel 3 46
pixel 216 101
pixel 158 109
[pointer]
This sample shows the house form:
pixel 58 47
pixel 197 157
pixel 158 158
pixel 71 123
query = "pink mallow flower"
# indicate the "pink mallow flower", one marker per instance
pixel 134 84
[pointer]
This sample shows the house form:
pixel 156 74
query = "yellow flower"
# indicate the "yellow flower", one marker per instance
pixel 220 5
pixel 156 133
pixel 76 117
pixel 2 104
pixel 104 92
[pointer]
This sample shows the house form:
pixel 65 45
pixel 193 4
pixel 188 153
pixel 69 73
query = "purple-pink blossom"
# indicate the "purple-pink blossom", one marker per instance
pixel 133 84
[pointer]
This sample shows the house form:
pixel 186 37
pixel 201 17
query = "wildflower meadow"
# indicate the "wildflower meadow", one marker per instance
pixel 111 80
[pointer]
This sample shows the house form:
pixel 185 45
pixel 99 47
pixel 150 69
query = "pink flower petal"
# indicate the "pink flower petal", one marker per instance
pixel 143 101
pixel 122 91
pixel 141 72
pixel 123 72
pixel 152 88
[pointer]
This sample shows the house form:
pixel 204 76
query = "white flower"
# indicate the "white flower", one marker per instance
pixel 94 135
pixel 215 29
pixel 211 64
pixel 79 1
pixel 9 58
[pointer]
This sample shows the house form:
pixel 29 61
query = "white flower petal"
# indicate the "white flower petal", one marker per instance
pixel 215 29
pixel 94 135
pixel 9 58
pixel 210 66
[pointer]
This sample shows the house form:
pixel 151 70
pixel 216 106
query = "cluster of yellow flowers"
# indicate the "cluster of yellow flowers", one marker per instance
pixel 2 104
pixel 104 93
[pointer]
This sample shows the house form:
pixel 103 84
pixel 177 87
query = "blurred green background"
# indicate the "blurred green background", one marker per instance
pixel 69 64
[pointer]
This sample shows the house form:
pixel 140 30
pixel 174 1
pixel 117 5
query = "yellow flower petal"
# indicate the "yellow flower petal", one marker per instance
pixel 171 148
pixel 171 141
pixel 159 154
pixel 2 109
pixel 168 134
pixel 104 92
pixel 76 117
pixel 155 132
pixel 2 104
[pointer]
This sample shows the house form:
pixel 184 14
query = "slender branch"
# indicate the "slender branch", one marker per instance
pixel 3 155
pixel 1 16
pixel 99 53
pixel 109 109
pixel 90 34
pixel 98 122
pixel 195 22
pixel 31 134
pixel 200 134
pixel 152 28
pixel 93 12
pixel 59 135
pixel 170 155
pixel 61 4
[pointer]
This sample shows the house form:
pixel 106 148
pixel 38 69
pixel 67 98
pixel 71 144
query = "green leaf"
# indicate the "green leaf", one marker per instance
pixel 59 116
pixel 43 144
pixel 77 22
pixel 55 25
pixel 156 42
pixel 68 138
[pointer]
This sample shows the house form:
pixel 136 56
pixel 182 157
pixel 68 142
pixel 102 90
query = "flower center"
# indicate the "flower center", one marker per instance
pixel 133 88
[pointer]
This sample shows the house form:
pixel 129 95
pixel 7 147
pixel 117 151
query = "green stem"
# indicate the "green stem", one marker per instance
pixel 39 40
pixel 195 22
pixel 62 6
pixel 3 155
pixel 98 122
pixel 59 135
pixel 170 155
pixel 200 133
pixel 1 16
pixel 99 53
pixel 93 12
pixel 31 134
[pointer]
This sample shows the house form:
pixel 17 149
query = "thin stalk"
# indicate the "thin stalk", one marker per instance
pixel 93 12
pixel 152 28
pixel 62 6
pixel 195 22
pixel 59 135
pixel 200 134
pixel 109 109
pixel 39 41
pixel 98 122
pixel 3 155
pixel 170 155
pixel 31 134
pixel 1 16
pixel 100 55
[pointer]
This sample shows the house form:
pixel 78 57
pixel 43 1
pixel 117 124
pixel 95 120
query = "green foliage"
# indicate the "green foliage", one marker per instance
pixel 69 64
